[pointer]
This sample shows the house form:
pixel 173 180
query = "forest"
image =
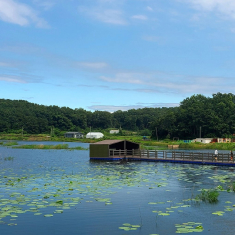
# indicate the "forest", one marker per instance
pixel 196 115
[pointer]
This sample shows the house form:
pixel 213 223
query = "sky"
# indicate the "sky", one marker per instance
pixel 114 55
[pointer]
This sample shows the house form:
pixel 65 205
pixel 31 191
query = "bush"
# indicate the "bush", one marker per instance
pixel 145 132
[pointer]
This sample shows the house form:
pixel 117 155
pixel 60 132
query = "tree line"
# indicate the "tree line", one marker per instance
pixel 209 116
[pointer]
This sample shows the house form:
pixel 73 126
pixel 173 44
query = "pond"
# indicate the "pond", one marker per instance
pixel 63 192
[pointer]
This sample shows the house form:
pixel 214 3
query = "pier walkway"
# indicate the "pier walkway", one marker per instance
pixel 170 156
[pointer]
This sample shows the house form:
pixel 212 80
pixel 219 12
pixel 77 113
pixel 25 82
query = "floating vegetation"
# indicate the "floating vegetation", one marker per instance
pixel 219 213
pixel 129 227
pixel 10 144
pixel 208 195
pixel 48 215
pixel 42 146
pixel 189 227
pixel 232 187
pixel 8 158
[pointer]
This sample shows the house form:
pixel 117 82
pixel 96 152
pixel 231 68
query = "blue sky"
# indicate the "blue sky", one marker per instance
pixel 116 54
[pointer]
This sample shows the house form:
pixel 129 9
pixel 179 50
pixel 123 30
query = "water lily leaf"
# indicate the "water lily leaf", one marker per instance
pixel 48 215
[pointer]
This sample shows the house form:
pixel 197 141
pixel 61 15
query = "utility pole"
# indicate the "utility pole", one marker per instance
pixel 156 133
pixel 52 131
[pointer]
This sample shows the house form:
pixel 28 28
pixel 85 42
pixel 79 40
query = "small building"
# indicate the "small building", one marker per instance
pixel 112 149
pixel 114 132
pixel 203 140
pixel 94 135
pixel 73 135
pixel 223 140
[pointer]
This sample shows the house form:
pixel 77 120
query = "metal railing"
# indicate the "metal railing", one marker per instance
pixel 171 155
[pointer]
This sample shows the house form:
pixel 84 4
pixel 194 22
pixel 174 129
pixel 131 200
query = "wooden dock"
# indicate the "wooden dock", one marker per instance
pixel 171 156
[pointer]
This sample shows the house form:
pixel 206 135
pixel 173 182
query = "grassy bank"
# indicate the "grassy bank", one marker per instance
pixel 219 146
pixel 145 144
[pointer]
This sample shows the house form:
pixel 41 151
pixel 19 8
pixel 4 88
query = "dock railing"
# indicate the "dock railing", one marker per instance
pixel 171 155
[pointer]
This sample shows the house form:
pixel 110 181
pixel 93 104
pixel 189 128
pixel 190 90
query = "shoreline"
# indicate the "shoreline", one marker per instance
pixel 150 144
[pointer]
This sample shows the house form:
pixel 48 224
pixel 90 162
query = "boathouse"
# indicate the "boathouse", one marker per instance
pixel 112 149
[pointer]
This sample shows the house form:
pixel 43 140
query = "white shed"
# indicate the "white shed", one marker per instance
pixel 94 135
pixel 114 132
pixel 203 140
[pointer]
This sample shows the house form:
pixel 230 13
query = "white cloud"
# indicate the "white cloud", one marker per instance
pixel 149 8
pixel 21 78
pixel 110 16
pixel 90 65
pixel 133 78
pixel 157 82
pixel 4 64
pixel 19 13
pixel 46 5
pixel 107 11
pixel 11 64
pixel 224 7
pixel 113 108
pixel 139 17
pixel 151 38
pixel 14 79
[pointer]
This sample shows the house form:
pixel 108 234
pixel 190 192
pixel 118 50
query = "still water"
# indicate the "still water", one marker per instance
pixel 62 192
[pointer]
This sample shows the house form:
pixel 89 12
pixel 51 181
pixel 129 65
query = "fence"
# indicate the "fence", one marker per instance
pixel 171 155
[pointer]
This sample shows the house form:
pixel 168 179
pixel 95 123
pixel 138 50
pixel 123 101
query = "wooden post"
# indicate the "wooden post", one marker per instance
pixel 132 152
pixel 183 155
pixel 166 155
pixel 119 152
pixel 147 153
pixel 113 153
pixel 140 152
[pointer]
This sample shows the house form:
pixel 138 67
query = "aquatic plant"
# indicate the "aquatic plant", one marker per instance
pixel 189 227
pixel 42 146
pixel 129 227
pixel 10 143
pixel 79 148
pixel 154 147
pixel 8 158
pixel 232 187
pixel 210 195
